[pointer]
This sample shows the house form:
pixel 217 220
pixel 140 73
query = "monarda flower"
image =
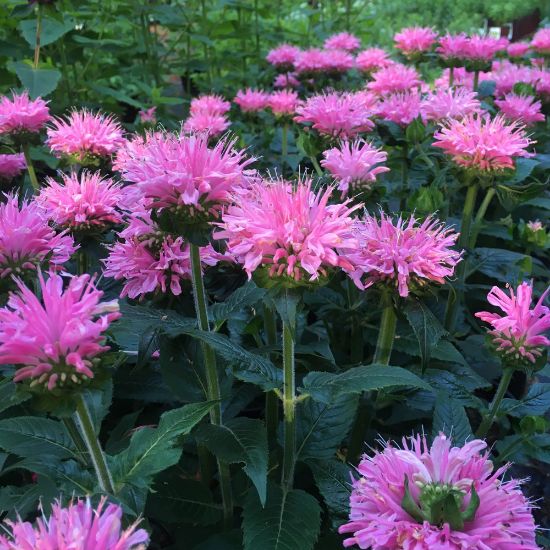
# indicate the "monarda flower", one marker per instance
pixel 337 115
pixel 211 104
pixel 55 341
pixel 400 108
pixel 27 242
pixel 82 203
pixel 342 41
pixel 518 333
pixel 286 80
pixel 541 41
pixel 84 136
pixel 354 165
pixel 518 49
pixel 438 497
pixel 251 100
pixel 283 103
pixel 76 526
pixel 11 166
pixel 450 103
pixel 394 78
pixel 480 51
pixel 148 116
pixel 522 108
pixel 406 254
pixel 283 56
pixel 483 144
pixel 415 40
pixel 211 124
pixel 292 235
pixel 507 75
pixel 21 115
pixel 338 61
pixel 372 59
pixel 452 48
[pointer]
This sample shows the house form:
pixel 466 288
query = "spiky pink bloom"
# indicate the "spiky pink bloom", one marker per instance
pixel 541 41
pixel 84 134
pixel 76 526
pixel 518 49
pixel 415 40
pixel 520 107
pixel 211 104
pixel 453 47
pixel 82 202
pixel 401 108
pixel 148 116
pixel 542 85
pixel 342 41
pixel 204 122
pixel 283 102
pixel 483 48
pixel 405 254
pixel 354 164
pixel 519 333
pixel 286 80
pixel 54 340
pixel 372 59
pixel 283 55
pixel 394 78
pixel 450 103
pixel 27 242
pixel 11 166
pixel 435 475
pixel 22 114
pixel 535 225
pixel 148 260
pixel 338 61
pixel 291 232
pixel 252 100
pixel 507 75
pixel 482 143
pixel 337 115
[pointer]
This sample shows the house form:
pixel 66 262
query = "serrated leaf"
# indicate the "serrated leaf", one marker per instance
pixel 39 82
pixel 497 263
pixel 21 501
pixel 245 296
pixel 451 419
pixel 50 30
pixel 535 403
pixel 8 395
pixel 289 521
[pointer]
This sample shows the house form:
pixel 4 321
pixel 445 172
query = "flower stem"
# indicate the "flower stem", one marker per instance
pixel 78 441
pixel 212 382
pixel 289 405
pixel 451 76
pixel 95 451
pixel 38 33
pixel 30 167
pixel 476 80
pixel 487 421
pixel 476 228
pixel 316 166
pixel 404 177
pixel 284 143
pixel 271 399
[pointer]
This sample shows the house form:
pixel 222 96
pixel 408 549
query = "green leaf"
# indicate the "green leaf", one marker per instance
pixel 451 419
pixel 8 395
pixel 50 30
pixel 326 386
pixel 152 450
pixel 245 296
pixel 496 263
pixel 39 82
pixel 286 303
pixel 426 327
pixel 289 521
pixel 535 403
pixel 21 501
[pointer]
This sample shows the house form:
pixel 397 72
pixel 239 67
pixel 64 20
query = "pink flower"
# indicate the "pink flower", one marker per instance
pixel 283 102
pixel 27 241
pixel 518 49
pixel 77 526
pixel 520 107
pixel 337 115
pixel 148 116
pixel 11 166
pixel 283 56
pixel 440 482
pixel 338 61
pixel 542 85
pixel 251 100
pixel 415 40
pixel 483 48
pixel 82 203
pixel 211 104
pixel 148 260
pixel 482 143
pixel 372 59
pixel 541 41
pixel 54 340
pixel 205 122
pixel 286 80
pixel 342 41
pixel 395 78
pixel 84 134
pixel 406 254
pixel 311 62
pixel 401 108
pixel 519 333
pixel 507 75
pixel 289 232
pixel 22 114
pixel 450 103
pixel 535 225
pixel 354 164
pixel 453 47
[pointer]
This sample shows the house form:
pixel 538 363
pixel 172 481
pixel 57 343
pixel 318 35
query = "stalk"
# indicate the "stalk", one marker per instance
pixel 487 421
pixel 289 406
pixel 316 166
pixel 451 76
pixel 476 80
pixel 476 228
pixel 30 167
pixel 212 382
pixel 404 177
pixel 77 439
pixel 271 399
pixel 284 143
pixel 95 451
pixel 37 40
pixel 386 334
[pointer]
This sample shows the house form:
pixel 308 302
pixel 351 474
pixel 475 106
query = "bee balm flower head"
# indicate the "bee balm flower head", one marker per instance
pixel 394 78
pixel 372 59
pixel 342 41
pixel 283 56
pixel 541 41
pixel 11 166
pixel 22 115
pixel 522 108
pixel 251 100
pixel 413 41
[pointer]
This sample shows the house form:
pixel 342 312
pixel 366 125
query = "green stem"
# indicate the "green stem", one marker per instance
pixel 30 167
pixel 476 228
pixel 284 143
pixel 212 382
pixel 476 80
pixel 487 421
pixel 316 166
pixel 79 443
pixel 289 406
pixel 94 448
pixel 271 399
pixel 404 177
pixel 38 33
pixel 386 334
pixel 451 76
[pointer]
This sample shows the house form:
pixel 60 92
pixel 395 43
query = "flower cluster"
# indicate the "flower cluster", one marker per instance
pixel 400 108
pixel 522 108
pixel 394 78
pixel 20 114
pixel 541 41
pixel 372 59
pixel 283 103
pixel 251 100
pixel 415 40
pixel 207 115
pixel 11 166
pixel 342 41
pixel 449 103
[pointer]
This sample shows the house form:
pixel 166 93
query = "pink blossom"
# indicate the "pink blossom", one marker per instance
pixel 401 108
pixel 27 241
pixel 310 61
pixel 519 333
pixel 82 202
pixel 338 61
pixel 77 526
pixel 450 103
pixel 83 133
pixel 535 225
pixel 541 41
pixel 518 49
pixel 406 254
pixel 252 100
pixel 283 55
pixel 415 40
pixel 507 75
pixel 542 85
pixel 482 143
pixel 453 47
pixel 434 476
pixel 11 166
pixel 337 115
pixel 342 41
pixel 148 115
pixel 395 78
pixel 372 59
pixel 283 102
pixel 204 122
pixel 211 104
pixel 22 114
pixel 54 340
pixel 483 48
pixel 520 107
pixel 292 233
pixel 286 80
pixel 354 164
